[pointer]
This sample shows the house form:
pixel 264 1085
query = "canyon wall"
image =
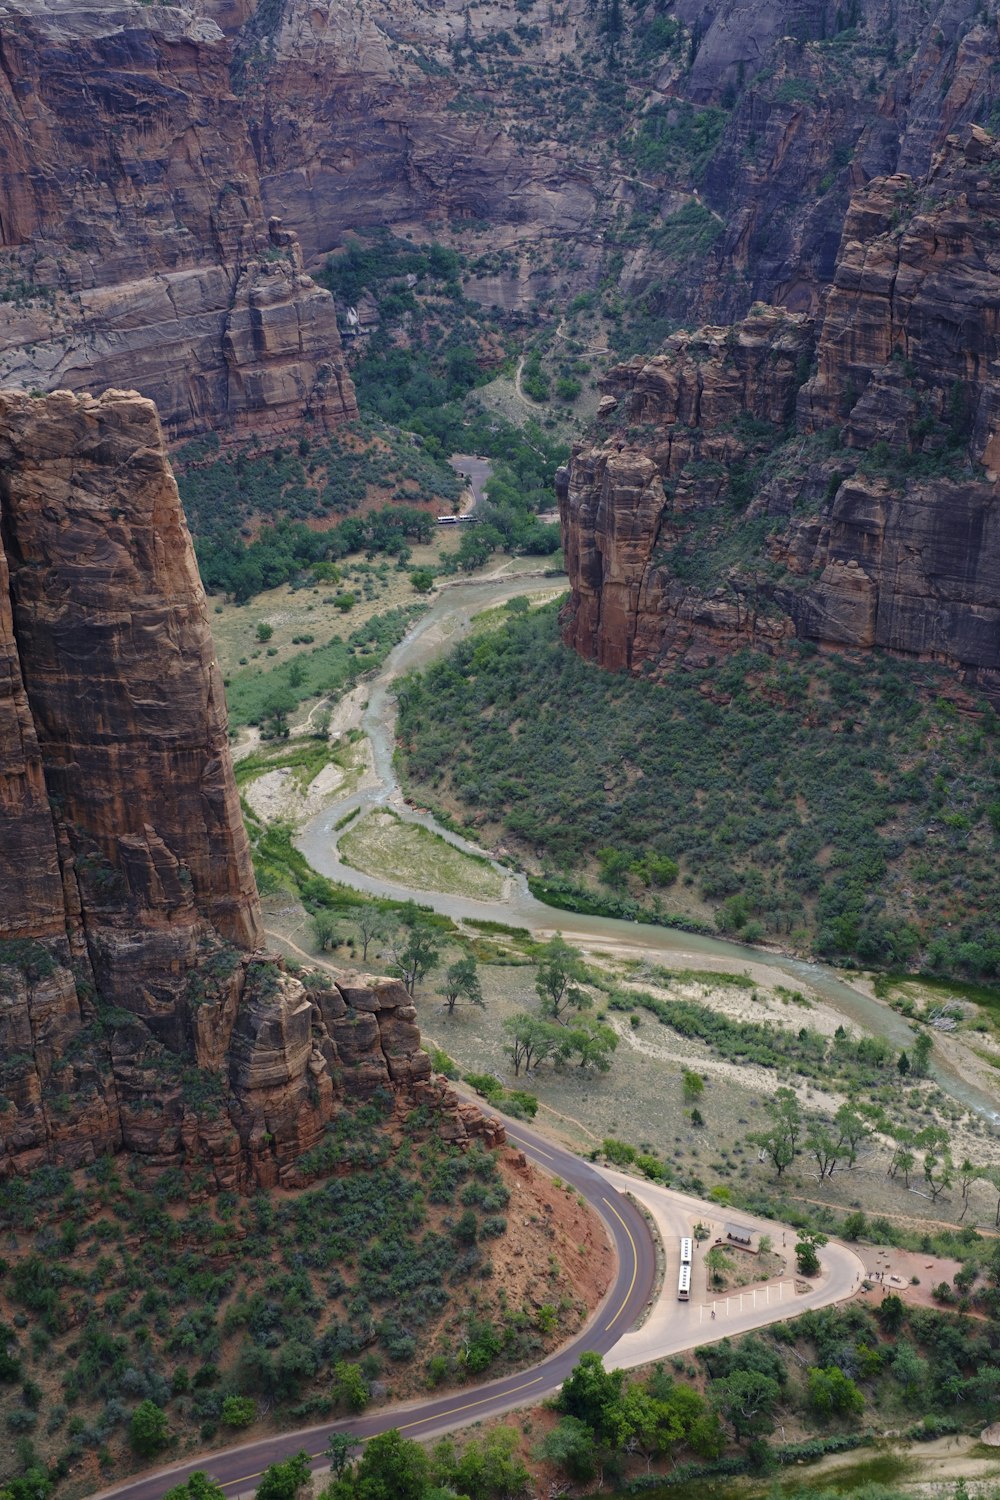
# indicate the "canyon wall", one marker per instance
pixel 138 1010
pixel 134 246
pixel 147 153
pixel 743 497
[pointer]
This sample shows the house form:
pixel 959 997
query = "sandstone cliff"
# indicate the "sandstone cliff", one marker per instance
pixel 738 502
pixel 137 1011
pixel 134 247
pixel 144 149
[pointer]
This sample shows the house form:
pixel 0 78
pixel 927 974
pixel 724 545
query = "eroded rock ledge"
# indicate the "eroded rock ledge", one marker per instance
pixel 858 452
pixel 137 1010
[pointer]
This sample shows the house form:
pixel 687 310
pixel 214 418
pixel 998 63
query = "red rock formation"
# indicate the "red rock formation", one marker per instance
pixel 886 533
pixel 133 229
pixel 135 1013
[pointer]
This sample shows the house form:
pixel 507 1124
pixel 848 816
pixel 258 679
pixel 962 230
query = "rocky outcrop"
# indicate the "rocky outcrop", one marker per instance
pixel 876 522
pixel 136 1010
pixel 134 246
pixel 710 403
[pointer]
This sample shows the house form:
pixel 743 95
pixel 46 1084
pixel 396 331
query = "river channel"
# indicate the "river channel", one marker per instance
pixel 446 622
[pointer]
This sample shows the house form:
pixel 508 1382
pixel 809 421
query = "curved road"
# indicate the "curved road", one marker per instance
pixel 238 1469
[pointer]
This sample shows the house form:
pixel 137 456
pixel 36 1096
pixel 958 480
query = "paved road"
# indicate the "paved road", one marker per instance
pixel 238 1469
pixel 670 1327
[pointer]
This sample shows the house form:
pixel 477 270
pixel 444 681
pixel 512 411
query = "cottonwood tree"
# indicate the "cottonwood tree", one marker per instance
pixel 693 1084
pixel 373 926
pixel 462 983
pixel 805 1253
pixel 967 1175
pixel 338 1451
pixel 413 949
pixel 923 1046
pixel 903 1158
pixel 852 1129
pixel 326 930
pixel 937 1173
pixel 593 1043
pixel 824 1146
pixel 561 971
pixel 198 1486
pixel 283 1481
pixel 779 1141
pixel 530 1040
pixel 747 1399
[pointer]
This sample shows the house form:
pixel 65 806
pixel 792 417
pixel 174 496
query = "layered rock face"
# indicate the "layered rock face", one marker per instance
pixel 875 523
pixel 134 247
pixel 144 149
pixel 137 1011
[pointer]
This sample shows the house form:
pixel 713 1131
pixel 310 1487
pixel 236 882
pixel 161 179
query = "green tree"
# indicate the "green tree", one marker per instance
pixel 279 703
pixel 779 1140
pixel 693 1085
pixel 852 1130
pixel 717 1264
pixel 571 1446
pixel 590 1392
pixel 561 971
pixel 829 1391
pixel 338 1450
pixel 903 1065
pixel 462 983
pixel 198 1486
pixel 373 926
pixel 283 1481
pixel 491 1468
pixel 747 1399
pixel 530 1040
pixel 967 1174
pixel 392 1467
pixel 239 1411
pixel 326 930
pixel 413 947
pixel 909 1369
pixel 422 580
pixel 806 1257
pixel 349 1387
pixel 264 631
pixel 592 1043
pixel 923 1046
pixel 854 1225
pixel 148 1431
pixel 824 1146
pixel 937 1173
pixel 891 1313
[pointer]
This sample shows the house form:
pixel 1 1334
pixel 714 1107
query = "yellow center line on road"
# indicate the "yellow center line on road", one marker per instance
pixel 529 1146
pixel 484 1401
pixel 635 1264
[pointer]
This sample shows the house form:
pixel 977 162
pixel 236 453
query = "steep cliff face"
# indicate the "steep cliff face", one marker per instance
pixel 143 150
pixel 136 1009
pixel 134 247
pixel 708 519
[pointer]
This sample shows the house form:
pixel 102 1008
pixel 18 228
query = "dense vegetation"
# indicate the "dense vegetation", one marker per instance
pixel 249 510
pixel 127 1297
pixel 266 696
pixel 831 1371
pixel 425 382
pixel 839 804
